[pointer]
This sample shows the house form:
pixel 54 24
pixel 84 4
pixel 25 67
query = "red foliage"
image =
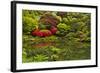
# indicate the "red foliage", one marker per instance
pixel 35 32
pixel 46 32
pixel 41 33
pixel 53 30
pixel 48 19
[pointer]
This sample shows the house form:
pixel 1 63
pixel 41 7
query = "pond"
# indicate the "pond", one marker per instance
pixel 55 49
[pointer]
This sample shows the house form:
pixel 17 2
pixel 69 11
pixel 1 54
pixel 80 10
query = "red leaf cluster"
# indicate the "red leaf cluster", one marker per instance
pixel 44 33
pixel 53 30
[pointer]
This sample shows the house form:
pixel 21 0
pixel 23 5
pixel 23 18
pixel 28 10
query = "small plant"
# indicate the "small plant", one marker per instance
pixel 54 57
pixel 55 50
pixel 40 58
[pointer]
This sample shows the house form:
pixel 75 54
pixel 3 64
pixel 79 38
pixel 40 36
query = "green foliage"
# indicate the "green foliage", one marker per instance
pixel 40 58
pixel 55 50
pixel 44 26
pixel 66 21
pixel 30 20
pixel 62 26
pixel 54 57
pixel 29 24
pixel 59 18
pixel 62 29
pixel 72 40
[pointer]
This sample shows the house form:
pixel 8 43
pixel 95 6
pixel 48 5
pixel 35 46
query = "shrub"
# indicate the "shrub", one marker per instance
pixel 29 24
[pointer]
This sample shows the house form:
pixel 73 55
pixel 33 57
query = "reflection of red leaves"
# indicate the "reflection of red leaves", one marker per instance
pixel 53 30
pixel 43 44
